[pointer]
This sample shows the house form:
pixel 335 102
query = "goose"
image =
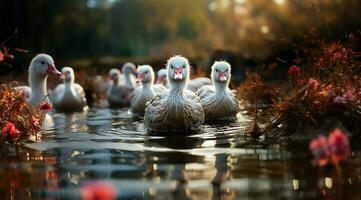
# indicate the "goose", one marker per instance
pixel 197 83
pixel 162 78
pixel 176 109
pixel 146 91
pixel 127 77
pixel 118 95
pixel 40 67
pixel 69 96
pixel 218 101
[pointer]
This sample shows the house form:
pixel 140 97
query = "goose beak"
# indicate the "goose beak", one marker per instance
pixel 159 80
pixel 178 74
pixel 52 70
pixel 63 76
pixel 140 77
pixel 222 76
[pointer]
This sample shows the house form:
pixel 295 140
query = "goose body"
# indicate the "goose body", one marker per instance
pixel 176 109
pixel 218 101
pixel 146 91
pixel 118 95
pixel 197 83
pixel 69 96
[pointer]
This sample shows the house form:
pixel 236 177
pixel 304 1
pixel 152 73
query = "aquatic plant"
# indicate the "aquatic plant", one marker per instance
pixel 17 117
pixel 328 87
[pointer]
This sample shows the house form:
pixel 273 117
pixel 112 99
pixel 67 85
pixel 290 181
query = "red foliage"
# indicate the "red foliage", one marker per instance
pixel 1 56
pixel 46 106
pixel 10 129
pixel 320 151
pixel 339 145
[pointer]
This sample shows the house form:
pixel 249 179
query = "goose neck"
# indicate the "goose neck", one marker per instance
pixel 38 88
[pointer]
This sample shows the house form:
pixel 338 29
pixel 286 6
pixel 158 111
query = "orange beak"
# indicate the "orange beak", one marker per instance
pixel 52 70
pixel 140 77
pixel 222 76
pixel 178 73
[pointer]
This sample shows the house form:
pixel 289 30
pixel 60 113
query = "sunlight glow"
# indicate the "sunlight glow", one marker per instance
pixel 241 10
pixel 280 2
pixel 296 184
pixel 212 6
pixel 265 29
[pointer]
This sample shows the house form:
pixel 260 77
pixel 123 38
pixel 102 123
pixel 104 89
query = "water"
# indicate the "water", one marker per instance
pixel 218 163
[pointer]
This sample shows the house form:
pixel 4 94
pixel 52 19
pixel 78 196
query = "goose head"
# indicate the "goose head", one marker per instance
pixel 42 65
pixel 114 75
pixel 221 73
pixel 178 72
pixel 67 74
pixel 162 77
pixel 145 74
pixel 129 68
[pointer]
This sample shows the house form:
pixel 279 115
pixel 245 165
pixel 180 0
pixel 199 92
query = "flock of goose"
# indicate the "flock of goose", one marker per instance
pixel 172 103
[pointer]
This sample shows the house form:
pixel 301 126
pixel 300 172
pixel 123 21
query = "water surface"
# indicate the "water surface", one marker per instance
pixel 220 162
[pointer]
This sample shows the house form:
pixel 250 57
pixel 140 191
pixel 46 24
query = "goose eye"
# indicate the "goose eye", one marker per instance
pixel 171 67
pixel 217 70
pixel 42 62
pixel 146 72
pixel 184 66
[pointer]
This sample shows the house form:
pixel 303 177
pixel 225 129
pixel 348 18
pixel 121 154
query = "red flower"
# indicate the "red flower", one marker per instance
pixel 1 56
pixel 349 95
pixel 98 191
pixel 10 129
pixel 320 151
pixel 46 106
pixel 339 145
pixel 314 84
pixel 294 71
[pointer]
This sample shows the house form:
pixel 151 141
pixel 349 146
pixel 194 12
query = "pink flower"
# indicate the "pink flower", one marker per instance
pixel 314 84
pixel 339 145
pixel 335 148
pixel 98 191
pixel 294 71
pixel 349 95
pixel 320 151
pixel 1 56
pixel 340 100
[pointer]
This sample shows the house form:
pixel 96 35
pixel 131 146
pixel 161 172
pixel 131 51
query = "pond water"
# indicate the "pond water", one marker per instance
pixel 218 163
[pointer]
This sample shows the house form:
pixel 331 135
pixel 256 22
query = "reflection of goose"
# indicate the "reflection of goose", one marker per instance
pixel 146 91
pixel 118 95
pixel 40 66
pixel 176 109
pixel 69 96
pixel 218 101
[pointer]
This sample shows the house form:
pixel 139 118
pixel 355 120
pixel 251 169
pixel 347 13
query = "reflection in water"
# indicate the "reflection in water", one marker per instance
pixel 219 163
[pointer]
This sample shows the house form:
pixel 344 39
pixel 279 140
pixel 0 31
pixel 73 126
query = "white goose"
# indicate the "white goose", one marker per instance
pixel 118 95
pixel 192 85
pixel 176 109
pixel 40 67
pixel 218 101
pixel 146 91
pixel 162 78
pixel 127 77
pixel 69 96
